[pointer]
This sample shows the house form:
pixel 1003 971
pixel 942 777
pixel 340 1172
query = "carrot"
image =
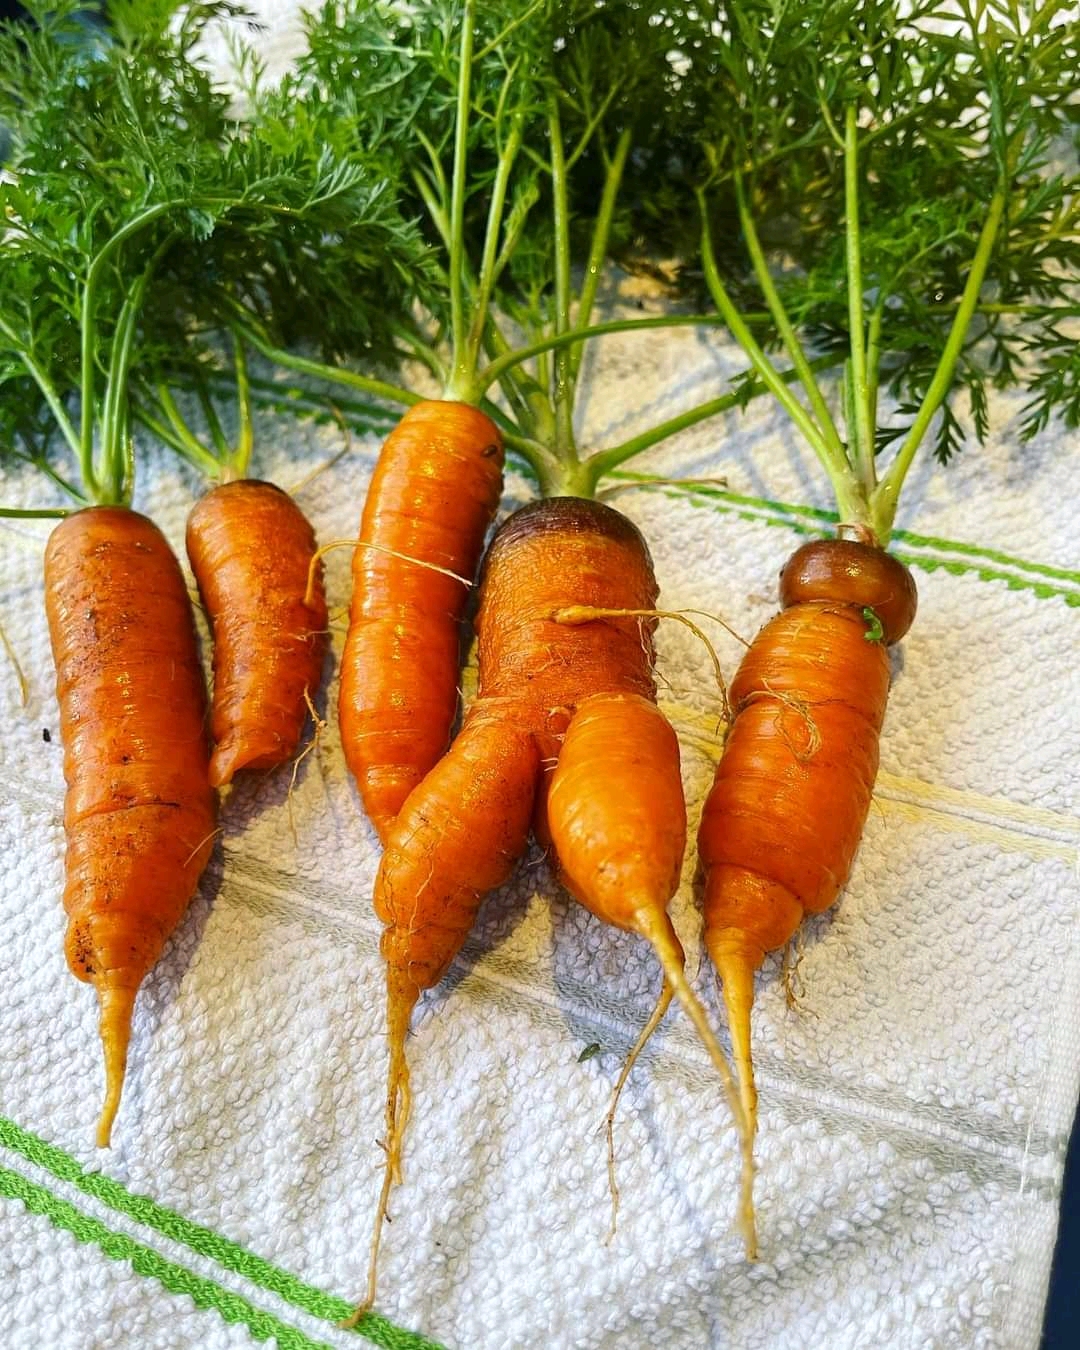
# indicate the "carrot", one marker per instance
pixel 458 836
pixel 461 830
pixel 618 826
pixel 551 554
pixel 782 822
pixel 139 812
pixel 432 498
pixel 250 548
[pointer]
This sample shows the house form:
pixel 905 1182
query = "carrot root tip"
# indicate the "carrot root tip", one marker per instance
pixel 117 1005
pixel 401 996
pixel 735 969
pixel 657 929
pixel 667 993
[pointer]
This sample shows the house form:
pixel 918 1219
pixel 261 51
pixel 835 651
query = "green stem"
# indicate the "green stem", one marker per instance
pixel 189 449
pixel 873 366
pixel 438 177
pixel 535 414
pixel 563 393
pixel 498 367
pixel 271 394
pixel 489 261
pixel 784 326
pixel 598 248
pixel 89 333
pixel 127 443
pixel 589 130
pixel 320 371
pixel 435 208
pixel 420 351
pixel 213 421
pixel 532 452
pixel 848 493
pixel 58 478
pixel 34 513
pixel 245 439
pixel 57 408
pixel 460 372
pixel 515 23
pixel 112 419
pixel 887 494
pixel 605 462
pixel 528 199
pixel 862 433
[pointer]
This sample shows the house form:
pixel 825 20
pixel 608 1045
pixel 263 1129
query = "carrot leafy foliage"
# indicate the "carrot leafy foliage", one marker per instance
pixel 891 169
pixel 886 191
pixel 138 205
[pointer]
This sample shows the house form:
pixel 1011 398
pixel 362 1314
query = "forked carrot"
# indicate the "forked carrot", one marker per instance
pixel 618 826
pixel 251 549
pixel 139 813
pixel 432 498
pixel 783 819
pixel 461 830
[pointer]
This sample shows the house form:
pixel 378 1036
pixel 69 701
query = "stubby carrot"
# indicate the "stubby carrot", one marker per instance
pixel 139 812
pixel 251 548
pixel 431 501
pixel 782 822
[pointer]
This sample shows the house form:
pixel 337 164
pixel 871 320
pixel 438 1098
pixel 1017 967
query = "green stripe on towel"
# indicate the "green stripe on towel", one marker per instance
pixel 224 1251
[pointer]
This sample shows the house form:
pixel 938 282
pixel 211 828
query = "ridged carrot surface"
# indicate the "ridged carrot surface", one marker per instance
pixel 250 548
pixel 549 555
pixel 783 819
pixel 139 812
pixel 431 500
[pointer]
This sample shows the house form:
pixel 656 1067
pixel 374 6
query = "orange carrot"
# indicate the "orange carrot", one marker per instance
pixel 461 830
pixel 783 819
pixel 250 548
pixel 432 498
pixel 139 813
pixel 618 826
pixel 457 837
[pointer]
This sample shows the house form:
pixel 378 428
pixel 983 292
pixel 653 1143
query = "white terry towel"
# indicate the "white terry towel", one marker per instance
pixel 914 1110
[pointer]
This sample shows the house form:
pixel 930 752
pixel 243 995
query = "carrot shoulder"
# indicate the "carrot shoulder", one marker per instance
pixel 431 501
pixel 139 812
pixel 782 822
pixel 250 548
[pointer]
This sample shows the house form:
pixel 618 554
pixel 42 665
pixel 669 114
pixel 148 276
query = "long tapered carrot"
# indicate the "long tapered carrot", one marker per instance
pixel 250 548
pixel 782 822
pixel 457 837
pixel 431 501
pixel 139 813
pixel 462 828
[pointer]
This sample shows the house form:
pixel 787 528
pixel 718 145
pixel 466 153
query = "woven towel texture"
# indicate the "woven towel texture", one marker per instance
pixel 914 1109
